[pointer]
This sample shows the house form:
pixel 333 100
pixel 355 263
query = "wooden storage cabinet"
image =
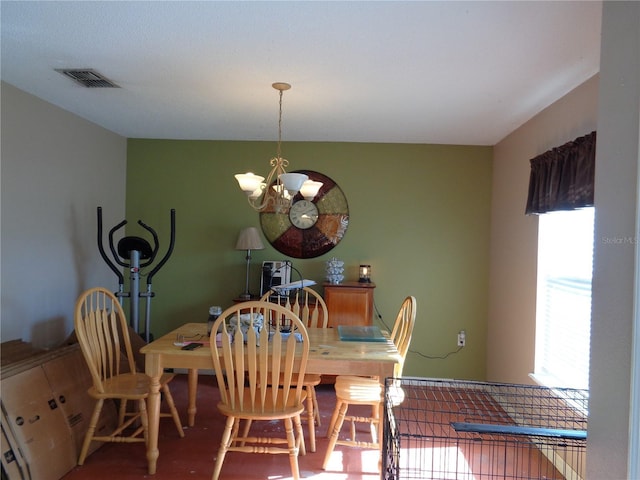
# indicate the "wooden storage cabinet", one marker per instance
pixel 349 303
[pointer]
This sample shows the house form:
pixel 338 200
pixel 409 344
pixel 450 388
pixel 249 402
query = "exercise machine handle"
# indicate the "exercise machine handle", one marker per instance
pixel 101 248
pixel 169 251
pixel 113 249
pixel 156 244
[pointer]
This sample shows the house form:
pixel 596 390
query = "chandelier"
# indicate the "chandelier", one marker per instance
pixel 285 185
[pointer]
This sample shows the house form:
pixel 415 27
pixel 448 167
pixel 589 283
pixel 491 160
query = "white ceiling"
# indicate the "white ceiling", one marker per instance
pixel 408 72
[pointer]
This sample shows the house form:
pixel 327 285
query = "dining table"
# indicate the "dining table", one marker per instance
pixel 328 355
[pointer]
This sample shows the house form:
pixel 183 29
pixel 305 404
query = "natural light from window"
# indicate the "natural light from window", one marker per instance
pixel 444 463
pixel 339 466
pixel 563 314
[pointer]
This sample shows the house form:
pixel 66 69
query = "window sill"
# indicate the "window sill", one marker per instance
pixel 552 383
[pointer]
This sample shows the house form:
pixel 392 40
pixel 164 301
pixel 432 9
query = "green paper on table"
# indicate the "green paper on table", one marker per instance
pixel 360 333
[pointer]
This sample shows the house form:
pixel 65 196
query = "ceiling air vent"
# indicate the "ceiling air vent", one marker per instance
pixel 88 77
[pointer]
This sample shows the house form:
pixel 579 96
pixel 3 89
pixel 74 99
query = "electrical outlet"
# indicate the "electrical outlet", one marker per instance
pixel 462 338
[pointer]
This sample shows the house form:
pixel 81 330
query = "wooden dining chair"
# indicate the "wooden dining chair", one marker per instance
pixel 249 357
pixel 311 308
pixel 354 390
pixel 103 335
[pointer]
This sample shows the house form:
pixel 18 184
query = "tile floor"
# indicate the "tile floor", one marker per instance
pixel 192 457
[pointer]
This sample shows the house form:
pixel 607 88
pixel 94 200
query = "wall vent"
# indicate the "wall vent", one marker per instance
pixel 88 77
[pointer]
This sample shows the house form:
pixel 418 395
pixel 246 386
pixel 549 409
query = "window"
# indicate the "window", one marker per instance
pixel 563 315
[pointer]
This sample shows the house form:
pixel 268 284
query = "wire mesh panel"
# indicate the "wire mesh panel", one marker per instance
pixel 448 429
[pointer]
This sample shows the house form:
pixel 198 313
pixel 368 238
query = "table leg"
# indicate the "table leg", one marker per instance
pixel 153 368
pixel 378 413
pixel 193 393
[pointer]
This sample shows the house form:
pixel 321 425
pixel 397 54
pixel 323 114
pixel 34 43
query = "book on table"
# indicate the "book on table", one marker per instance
pixel 360 333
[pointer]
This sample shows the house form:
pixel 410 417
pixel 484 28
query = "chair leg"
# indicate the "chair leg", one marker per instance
pixel 339 413
pixel 90 431
pixel 245 432
pixel 375 414
pixel 144 419
pixel 311 418
pixel 316 408
pixel 224 446
pixel 297 423
pixel 292 444
pixel 122 411
pixel 173 410
pixel 334 417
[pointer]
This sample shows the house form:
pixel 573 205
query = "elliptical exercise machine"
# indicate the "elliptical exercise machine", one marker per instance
pixel 139 254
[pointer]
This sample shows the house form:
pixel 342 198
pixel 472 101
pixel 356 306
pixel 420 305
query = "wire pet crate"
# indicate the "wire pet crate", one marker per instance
pixel 448 429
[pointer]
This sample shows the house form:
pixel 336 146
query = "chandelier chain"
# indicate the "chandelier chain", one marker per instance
pixel 278 148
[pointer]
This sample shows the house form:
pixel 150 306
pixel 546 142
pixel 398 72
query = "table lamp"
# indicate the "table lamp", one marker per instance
pixel 249 239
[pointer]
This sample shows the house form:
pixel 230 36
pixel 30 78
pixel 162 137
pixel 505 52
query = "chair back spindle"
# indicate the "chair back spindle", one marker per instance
pixel 305 303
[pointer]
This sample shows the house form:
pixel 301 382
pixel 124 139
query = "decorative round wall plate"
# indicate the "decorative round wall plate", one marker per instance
pixel 310 228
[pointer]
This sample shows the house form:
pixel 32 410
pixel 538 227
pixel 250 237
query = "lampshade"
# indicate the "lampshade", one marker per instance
pixel 249 182
pixel 310 189
pixel 249 239
pixel 293 181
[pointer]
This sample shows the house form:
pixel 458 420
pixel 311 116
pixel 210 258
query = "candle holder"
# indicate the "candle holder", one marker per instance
pixel 365 274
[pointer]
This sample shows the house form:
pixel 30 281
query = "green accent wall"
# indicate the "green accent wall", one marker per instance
pixel 419 215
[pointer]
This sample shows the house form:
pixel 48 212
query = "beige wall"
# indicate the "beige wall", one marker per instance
pixel 613 446
pixel 512 298
pixel 56 168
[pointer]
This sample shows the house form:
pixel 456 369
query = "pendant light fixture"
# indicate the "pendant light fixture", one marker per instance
pixel 286 185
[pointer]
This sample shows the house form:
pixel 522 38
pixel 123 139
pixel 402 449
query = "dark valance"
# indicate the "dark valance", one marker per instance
pixel 562 178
